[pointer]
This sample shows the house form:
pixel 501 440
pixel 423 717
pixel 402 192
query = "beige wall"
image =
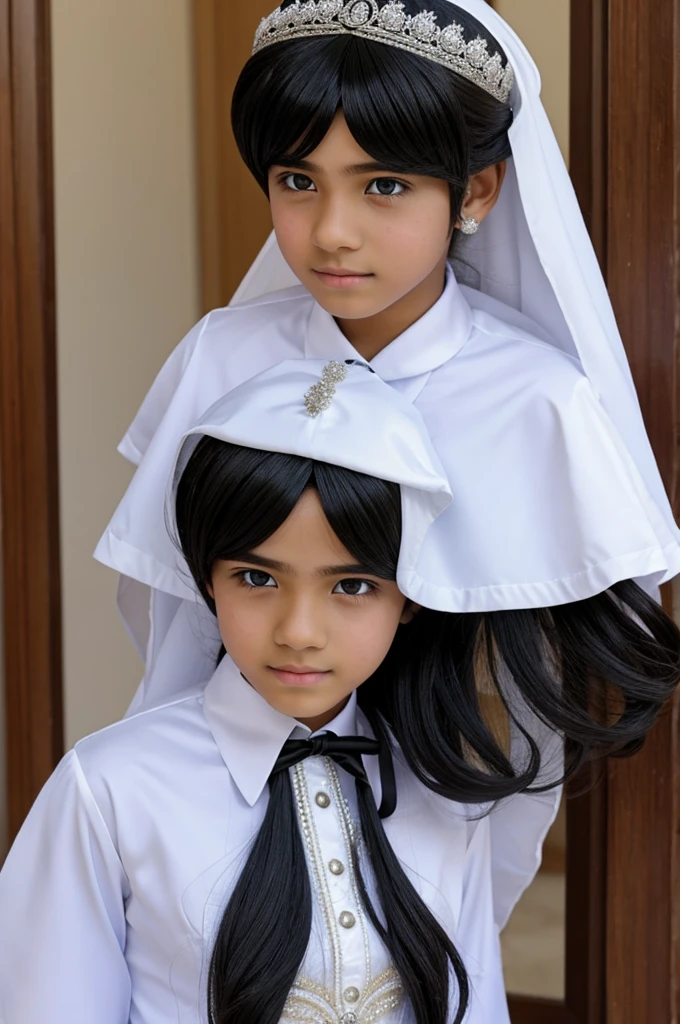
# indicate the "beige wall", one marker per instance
pixel 543 26
pixel 127 287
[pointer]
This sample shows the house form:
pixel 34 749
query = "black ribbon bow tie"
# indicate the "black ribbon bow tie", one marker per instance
pixel 346 752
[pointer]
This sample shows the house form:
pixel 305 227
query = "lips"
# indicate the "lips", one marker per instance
pixel 335 272
pixel 297 675
pixel 341 279
pixel 299 669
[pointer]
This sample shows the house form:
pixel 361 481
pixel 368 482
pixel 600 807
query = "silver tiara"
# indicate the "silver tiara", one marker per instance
pixel 419 34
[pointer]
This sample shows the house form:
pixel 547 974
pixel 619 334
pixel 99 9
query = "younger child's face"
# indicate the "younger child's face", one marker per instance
pixel 302 622
pixel 339 213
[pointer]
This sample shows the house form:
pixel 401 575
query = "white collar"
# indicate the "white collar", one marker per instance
pixel 250 733
pixel 427 344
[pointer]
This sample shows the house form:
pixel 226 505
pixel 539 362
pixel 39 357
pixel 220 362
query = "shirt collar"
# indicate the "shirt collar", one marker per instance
pixel 427 344
pixel 250 733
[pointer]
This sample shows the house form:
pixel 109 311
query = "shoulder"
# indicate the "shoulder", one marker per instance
pixel 115 761
pixel 518 347
pixel 276 308
pixel 225 348
pixel 271 323
pixel 501 371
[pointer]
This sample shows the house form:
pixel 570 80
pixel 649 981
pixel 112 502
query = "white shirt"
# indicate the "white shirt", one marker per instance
pixel 110 897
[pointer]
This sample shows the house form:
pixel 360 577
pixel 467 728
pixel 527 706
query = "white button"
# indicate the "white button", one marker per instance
pixel 336 867
pixel 347 919
pixel 323 799
pixel 351 995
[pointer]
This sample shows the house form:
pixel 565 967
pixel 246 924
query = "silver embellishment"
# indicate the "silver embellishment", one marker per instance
pixel 320 396
pixel 392 17
pixel 424 26
pixel 336 867
pixel 452 40
pixel 322 800
pixel 311 1002
pixel 478 53
pixel 357 14
pixel 347 919
pixel 419 34
pixel 352 994
pixel 469 226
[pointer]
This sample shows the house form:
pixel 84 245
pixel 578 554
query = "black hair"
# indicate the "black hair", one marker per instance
pixel 408 112
pixel 596 671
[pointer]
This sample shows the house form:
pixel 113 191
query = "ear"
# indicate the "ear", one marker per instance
pixel 483 192
pixel 209 588
pixel 409 613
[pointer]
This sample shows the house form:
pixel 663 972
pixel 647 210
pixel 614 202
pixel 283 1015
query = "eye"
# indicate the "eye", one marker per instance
pixel 298 183
pixel 257 579
pixel 354 588
pixel 386 187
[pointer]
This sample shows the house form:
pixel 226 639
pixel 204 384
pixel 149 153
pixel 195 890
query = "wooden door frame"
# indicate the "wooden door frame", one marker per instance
pixel 643 273
pixel 28 418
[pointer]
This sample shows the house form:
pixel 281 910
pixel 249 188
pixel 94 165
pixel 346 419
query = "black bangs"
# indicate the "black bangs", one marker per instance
pixel 285 102
pixel 407 112
pixel 231 499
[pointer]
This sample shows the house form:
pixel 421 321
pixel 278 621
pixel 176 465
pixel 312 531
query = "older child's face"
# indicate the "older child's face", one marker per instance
pixel 301 621
pixel 361 239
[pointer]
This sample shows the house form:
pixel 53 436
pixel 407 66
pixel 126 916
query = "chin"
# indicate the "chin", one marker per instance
pixel 304 708
pixel 348 307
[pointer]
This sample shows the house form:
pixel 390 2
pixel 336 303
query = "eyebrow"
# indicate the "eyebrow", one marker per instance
pixel 351 569
pixel 371 167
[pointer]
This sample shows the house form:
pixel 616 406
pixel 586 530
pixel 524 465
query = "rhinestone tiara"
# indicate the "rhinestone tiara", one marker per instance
pixel 391 25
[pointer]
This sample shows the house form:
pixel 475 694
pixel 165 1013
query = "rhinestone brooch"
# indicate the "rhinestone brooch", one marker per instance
pixel 320 396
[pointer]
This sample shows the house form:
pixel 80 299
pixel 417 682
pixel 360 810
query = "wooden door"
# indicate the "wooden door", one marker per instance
pixel 639 213
pixel 234 213
pixel 28 420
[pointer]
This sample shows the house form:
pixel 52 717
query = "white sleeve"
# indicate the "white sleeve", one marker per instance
pixel 520 824
pixel 62 912
pixel 152 410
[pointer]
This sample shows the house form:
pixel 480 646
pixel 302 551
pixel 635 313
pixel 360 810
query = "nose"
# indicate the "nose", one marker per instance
pixel 301 625
pixel 336 225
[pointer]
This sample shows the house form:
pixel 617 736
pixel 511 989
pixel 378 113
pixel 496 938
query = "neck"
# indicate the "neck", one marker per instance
pixel 319 721
pixel 374 333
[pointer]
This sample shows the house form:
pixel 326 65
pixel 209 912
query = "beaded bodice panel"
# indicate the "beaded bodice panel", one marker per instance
pixel 346 976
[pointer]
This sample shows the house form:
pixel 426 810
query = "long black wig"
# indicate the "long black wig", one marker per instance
pixel 409 113
pixel 597 672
